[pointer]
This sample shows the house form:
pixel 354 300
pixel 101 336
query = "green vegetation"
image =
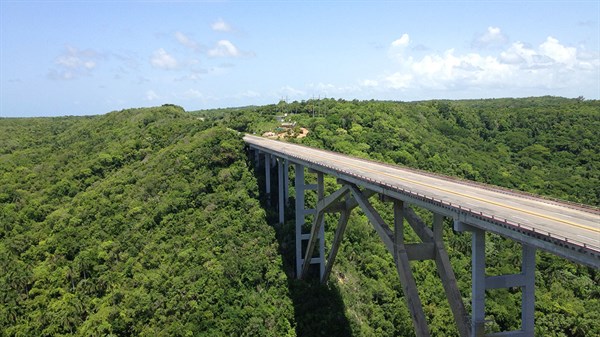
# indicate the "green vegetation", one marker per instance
pixel 139 222
pixel 149 221
pixel 545 145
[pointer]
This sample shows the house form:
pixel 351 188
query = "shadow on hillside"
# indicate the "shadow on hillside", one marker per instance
pixel 318 309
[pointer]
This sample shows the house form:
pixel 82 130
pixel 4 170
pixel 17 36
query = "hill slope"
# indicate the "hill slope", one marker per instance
pixel 138 222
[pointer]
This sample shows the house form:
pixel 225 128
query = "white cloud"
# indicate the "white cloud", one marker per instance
pixel 188 42
pixel 517 53
pixel 221 26
pixel 163 60
pixel 74 63
pixel 492 38
pixel 398 47
pixel 403 41
pixel 551 65
pixel 553 49
pixel 224 48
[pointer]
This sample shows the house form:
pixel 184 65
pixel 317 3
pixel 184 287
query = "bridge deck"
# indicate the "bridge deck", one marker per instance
pixel 577 228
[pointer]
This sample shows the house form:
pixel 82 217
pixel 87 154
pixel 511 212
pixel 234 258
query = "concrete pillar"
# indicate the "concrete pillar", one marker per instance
pixel 281 187
pixel 286 179
pixel 299 186
pixel 268 173
pixel 320 196
pixel 528 290
pixel 478 285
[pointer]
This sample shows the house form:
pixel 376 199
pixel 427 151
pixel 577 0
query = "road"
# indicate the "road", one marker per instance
pixel 579 225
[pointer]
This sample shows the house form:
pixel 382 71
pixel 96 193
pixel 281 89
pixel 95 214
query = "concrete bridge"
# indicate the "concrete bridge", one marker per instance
pixel 569 230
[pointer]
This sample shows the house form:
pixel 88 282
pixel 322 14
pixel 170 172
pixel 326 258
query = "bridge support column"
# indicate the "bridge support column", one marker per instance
pixel 301 213
pixel 286 181
pixel 256 158
pixel 282 185
pixel 299 187
pixel 317 232
pixel 268 174
pixel 480 283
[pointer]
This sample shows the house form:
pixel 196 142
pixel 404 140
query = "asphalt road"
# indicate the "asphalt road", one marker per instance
pixel 560 219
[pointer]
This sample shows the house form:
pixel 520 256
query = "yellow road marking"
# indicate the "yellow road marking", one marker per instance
pixel 463 195
pixel 596 230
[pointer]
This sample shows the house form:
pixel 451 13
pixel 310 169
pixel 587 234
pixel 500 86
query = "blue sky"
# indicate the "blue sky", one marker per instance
pixel 92 57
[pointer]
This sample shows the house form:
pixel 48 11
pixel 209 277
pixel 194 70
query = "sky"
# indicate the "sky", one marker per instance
pixel 92 57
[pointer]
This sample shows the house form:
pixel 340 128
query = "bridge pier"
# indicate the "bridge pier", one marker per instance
pixel 431 248
pixel 282 185
pixel 301 213
pixel 268 175
pixel 481 282
pixel 256 158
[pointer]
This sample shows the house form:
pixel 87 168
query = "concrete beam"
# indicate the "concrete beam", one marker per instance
pixel 444 268
pixel 446 274
pixel 335 245
pixel 409 286
pixel 380 226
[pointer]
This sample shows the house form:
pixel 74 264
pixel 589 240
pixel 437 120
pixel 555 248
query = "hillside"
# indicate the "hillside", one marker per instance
pixel 152 222
pixel 138 222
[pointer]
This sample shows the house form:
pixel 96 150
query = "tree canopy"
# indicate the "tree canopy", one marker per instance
pixel 152 221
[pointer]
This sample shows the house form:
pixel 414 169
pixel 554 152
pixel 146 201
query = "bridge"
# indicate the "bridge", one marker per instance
pixel 569 230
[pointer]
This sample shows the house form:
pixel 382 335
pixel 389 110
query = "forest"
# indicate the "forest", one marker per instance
pixel 153 222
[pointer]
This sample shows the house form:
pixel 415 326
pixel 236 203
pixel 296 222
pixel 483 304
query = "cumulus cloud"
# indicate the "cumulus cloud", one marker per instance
pixel 559 53
pixel 492 38
pixel 550 65
pixel 74 63
pixel 221 26
pixel 163 60
pixel 402 41
pixel 224 48
pixel 398 47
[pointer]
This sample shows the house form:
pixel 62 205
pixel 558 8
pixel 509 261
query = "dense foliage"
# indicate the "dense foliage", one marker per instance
pixel 139 222
pixel 149 221
pixel 544 145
